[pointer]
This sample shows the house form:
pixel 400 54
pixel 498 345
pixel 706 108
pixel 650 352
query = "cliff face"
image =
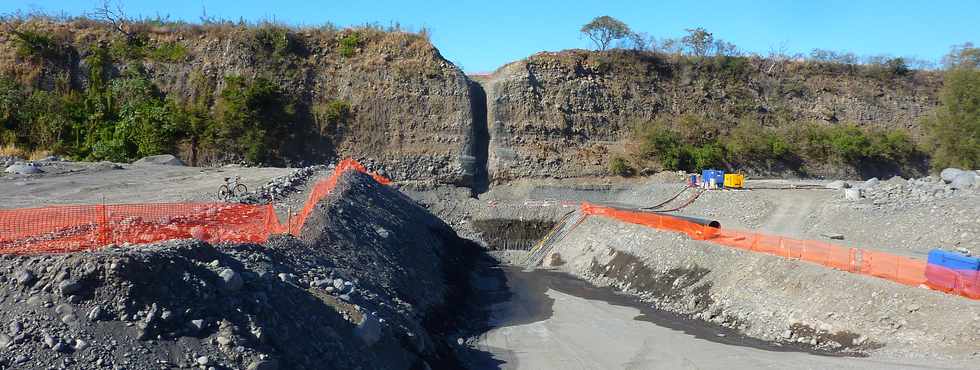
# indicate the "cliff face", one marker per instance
pixel 563 114
pixel 408 107
pixel 390 97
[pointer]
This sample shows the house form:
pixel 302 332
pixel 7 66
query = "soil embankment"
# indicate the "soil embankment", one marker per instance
pixel 771 298
pixel 373 282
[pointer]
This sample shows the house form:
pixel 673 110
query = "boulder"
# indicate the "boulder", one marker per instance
pixel 25 278
pixel 837 185
pixel 852 194
pixel 872 182
pixel 949 174
pixel 231 280
pixel 163 160
pixel 23 169
pixel 69 287
pixel 965 180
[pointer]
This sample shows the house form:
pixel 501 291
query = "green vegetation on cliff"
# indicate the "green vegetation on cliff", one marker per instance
pixel 692 143
pixel 121 89
pixel 954 128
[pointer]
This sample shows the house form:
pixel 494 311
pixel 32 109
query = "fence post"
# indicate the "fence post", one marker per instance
pixel 103 224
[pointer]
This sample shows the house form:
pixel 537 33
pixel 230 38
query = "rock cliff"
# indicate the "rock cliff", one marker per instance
pixel 562 114
pixel 409 107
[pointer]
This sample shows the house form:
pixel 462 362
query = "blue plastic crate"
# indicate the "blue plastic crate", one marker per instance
pixel 953 260
pixel 717 175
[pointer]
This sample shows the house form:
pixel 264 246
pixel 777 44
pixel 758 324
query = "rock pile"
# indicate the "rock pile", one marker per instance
pixel 901 193
pixel 339 298
pixel 7 161
pixel 162 160
pixel 282 186
pixel 21 168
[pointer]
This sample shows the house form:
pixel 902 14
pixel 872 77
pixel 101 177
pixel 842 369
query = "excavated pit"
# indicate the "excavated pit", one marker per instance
pixel 512 234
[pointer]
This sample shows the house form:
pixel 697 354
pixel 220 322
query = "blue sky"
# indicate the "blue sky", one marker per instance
pixel 482 35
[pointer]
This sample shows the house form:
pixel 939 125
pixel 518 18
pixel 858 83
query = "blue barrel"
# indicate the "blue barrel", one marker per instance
pixel 717 176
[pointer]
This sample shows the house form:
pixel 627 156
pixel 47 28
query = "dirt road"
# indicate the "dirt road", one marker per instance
pixel 91 183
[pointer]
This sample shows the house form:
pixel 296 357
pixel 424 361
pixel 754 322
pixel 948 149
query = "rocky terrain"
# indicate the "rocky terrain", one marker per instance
pixel 771 298
pixel 409 107
pixel 564 114
pixel 336 297
pixel 792 303
pixel 561 114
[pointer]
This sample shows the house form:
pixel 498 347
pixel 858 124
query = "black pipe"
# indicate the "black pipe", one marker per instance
pixel 700 221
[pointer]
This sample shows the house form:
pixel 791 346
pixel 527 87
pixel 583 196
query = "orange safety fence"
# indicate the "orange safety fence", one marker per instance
pixel 900 269
pixel 60 229
pixel 651 219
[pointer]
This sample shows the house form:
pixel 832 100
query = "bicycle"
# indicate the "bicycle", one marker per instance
pixel 232 188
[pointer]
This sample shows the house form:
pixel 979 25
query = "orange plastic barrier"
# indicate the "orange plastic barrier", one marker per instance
pixel 962 282
pixel 654 220
pixel 62 229
pixel 900 269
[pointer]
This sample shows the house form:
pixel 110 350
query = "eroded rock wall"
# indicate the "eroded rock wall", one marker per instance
pixel 563 114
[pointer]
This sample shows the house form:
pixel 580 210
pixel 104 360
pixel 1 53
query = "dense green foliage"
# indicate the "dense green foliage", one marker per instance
pixel 113 119
pixel 121 118
pixel 349 44
pixel 692 143
pixel 254 118
pixel 954 129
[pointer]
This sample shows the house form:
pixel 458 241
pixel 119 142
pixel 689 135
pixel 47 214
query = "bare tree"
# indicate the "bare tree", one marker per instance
pixel 640 41
pixel 725 48
pixel 115 16
pixel 603 30
pixel 965 55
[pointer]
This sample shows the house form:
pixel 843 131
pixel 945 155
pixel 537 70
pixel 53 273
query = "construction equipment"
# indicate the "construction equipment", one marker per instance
pixel 734 181
pixel 712 179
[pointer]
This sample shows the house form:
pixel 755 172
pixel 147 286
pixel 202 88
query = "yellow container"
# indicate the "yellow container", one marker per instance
pixel 734 180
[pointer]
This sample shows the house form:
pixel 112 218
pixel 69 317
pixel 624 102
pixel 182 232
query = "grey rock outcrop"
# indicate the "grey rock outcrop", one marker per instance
pixel 23 169
pixel 949 174
pixel 965 180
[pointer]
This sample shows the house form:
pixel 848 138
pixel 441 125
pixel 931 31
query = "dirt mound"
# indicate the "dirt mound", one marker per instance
pixel 163 160
pixel 365 287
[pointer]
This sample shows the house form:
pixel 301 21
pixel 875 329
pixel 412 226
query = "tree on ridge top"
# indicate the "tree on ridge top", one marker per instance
pixel 604 29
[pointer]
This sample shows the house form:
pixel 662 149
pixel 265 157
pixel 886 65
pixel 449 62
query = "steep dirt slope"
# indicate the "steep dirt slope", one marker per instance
pixel 372 284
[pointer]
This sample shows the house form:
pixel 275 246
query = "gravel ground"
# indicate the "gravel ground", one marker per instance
pixel 65 182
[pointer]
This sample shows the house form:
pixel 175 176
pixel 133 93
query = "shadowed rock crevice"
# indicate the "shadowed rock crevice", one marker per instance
pixel 479 139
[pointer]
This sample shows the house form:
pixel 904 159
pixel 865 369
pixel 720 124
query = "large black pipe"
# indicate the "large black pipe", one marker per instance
pixel 698 220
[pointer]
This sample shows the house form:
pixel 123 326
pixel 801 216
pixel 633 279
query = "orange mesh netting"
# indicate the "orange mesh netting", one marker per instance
pixel 900 269
pixel 86 227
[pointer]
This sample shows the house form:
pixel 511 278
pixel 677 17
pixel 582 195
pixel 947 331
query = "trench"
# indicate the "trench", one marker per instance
pixel 479 149
pixel 512 234
pixel 511 304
